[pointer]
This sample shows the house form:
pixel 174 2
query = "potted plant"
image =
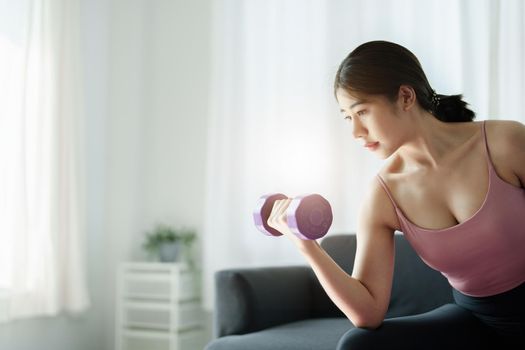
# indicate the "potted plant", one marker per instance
pixel 167 243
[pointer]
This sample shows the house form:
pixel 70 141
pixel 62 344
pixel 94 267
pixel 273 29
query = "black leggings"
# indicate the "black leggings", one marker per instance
pixel 494 322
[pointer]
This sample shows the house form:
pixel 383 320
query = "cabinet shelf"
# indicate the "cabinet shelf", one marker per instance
pixel 158 307
pixel 138 328
pixel 137 297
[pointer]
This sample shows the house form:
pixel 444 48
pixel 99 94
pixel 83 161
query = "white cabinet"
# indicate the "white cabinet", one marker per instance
pixel 158 307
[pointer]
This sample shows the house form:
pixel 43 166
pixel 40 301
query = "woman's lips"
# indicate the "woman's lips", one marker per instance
pixel 371 145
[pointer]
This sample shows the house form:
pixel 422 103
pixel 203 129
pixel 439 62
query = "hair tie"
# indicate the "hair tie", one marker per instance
pixel 435 99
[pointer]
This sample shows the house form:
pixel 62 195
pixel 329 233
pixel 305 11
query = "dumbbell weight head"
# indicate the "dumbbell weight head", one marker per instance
pixel 262 212
pixel 309 216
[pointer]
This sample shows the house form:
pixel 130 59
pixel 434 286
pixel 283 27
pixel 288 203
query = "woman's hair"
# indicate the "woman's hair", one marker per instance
pixel 381 67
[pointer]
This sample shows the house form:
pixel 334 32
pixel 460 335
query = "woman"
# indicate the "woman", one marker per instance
pixel 454 187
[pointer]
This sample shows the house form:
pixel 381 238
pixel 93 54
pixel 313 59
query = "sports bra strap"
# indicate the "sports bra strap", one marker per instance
pixel 386 190
pixel 489 159
pixel 383 184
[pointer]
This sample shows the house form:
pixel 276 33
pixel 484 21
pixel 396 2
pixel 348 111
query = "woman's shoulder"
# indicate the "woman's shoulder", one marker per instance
pixel 505 138
pixel 506 133
pixel 378 208
pixel 506 144
pixel 378 199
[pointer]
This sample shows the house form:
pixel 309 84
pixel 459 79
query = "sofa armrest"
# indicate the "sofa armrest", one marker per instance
pixel 251 299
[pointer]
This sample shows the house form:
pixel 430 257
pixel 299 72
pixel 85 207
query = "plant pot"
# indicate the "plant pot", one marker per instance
pixel 169 252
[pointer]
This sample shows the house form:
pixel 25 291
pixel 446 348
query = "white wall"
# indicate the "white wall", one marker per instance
pixel 158 76
pixel 147 68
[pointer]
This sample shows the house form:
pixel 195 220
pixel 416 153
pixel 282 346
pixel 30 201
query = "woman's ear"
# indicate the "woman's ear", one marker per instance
pixel 406 97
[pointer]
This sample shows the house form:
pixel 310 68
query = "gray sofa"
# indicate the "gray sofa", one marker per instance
pixel 286 307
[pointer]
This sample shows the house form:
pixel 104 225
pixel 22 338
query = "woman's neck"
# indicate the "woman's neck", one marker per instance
pixel 429 143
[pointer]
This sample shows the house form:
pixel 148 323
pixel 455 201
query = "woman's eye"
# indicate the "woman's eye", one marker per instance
pixel 360 113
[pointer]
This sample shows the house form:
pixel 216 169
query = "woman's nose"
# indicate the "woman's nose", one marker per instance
pixel 359 130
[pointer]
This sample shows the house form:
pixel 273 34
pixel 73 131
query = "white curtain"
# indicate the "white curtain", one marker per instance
pixel 274 124
pixel 42 268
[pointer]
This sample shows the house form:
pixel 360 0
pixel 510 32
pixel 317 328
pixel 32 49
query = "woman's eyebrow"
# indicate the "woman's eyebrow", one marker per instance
pixel 358 103
pixel 355 104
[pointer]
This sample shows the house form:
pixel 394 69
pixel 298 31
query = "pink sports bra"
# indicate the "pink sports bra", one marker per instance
pixel 484 255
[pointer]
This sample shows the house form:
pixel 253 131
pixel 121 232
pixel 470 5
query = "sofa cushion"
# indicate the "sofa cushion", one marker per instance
pixel 312 334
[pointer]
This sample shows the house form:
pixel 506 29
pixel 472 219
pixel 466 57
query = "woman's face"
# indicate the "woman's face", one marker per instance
pixel 374 120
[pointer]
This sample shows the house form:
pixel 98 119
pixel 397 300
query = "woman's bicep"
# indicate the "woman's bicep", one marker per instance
pixel 374 260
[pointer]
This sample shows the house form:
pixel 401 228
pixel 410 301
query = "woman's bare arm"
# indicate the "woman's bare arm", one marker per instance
pixel 513 139
pixel 364 296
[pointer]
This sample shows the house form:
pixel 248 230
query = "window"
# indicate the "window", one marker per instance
pixel 39 273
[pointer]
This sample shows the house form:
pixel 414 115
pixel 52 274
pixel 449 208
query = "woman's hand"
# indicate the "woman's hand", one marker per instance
pixel 278 220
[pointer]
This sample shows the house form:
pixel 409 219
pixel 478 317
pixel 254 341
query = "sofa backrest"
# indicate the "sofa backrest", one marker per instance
pixel 416 287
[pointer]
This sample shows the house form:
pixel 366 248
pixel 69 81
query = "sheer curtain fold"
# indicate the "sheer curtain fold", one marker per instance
pixel 41 183
pixel 274 125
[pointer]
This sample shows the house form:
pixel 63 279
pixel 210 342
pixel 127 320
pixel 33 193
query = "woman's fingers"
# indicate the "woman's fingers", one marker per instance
pixel 276 208
pixel 278 214
pixel 284 209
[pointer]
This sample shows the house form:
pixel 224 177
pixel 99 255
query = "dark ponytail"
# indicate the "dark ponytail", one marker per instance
pixel 452 108
pixel 381 67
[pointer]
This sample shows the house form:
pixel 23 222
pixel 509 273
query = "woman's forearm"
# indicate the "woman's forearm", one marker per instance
pixel 347 292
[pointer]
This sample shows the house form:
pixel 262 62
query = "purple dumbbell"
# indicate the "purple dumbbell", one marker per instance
pixel 308 216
